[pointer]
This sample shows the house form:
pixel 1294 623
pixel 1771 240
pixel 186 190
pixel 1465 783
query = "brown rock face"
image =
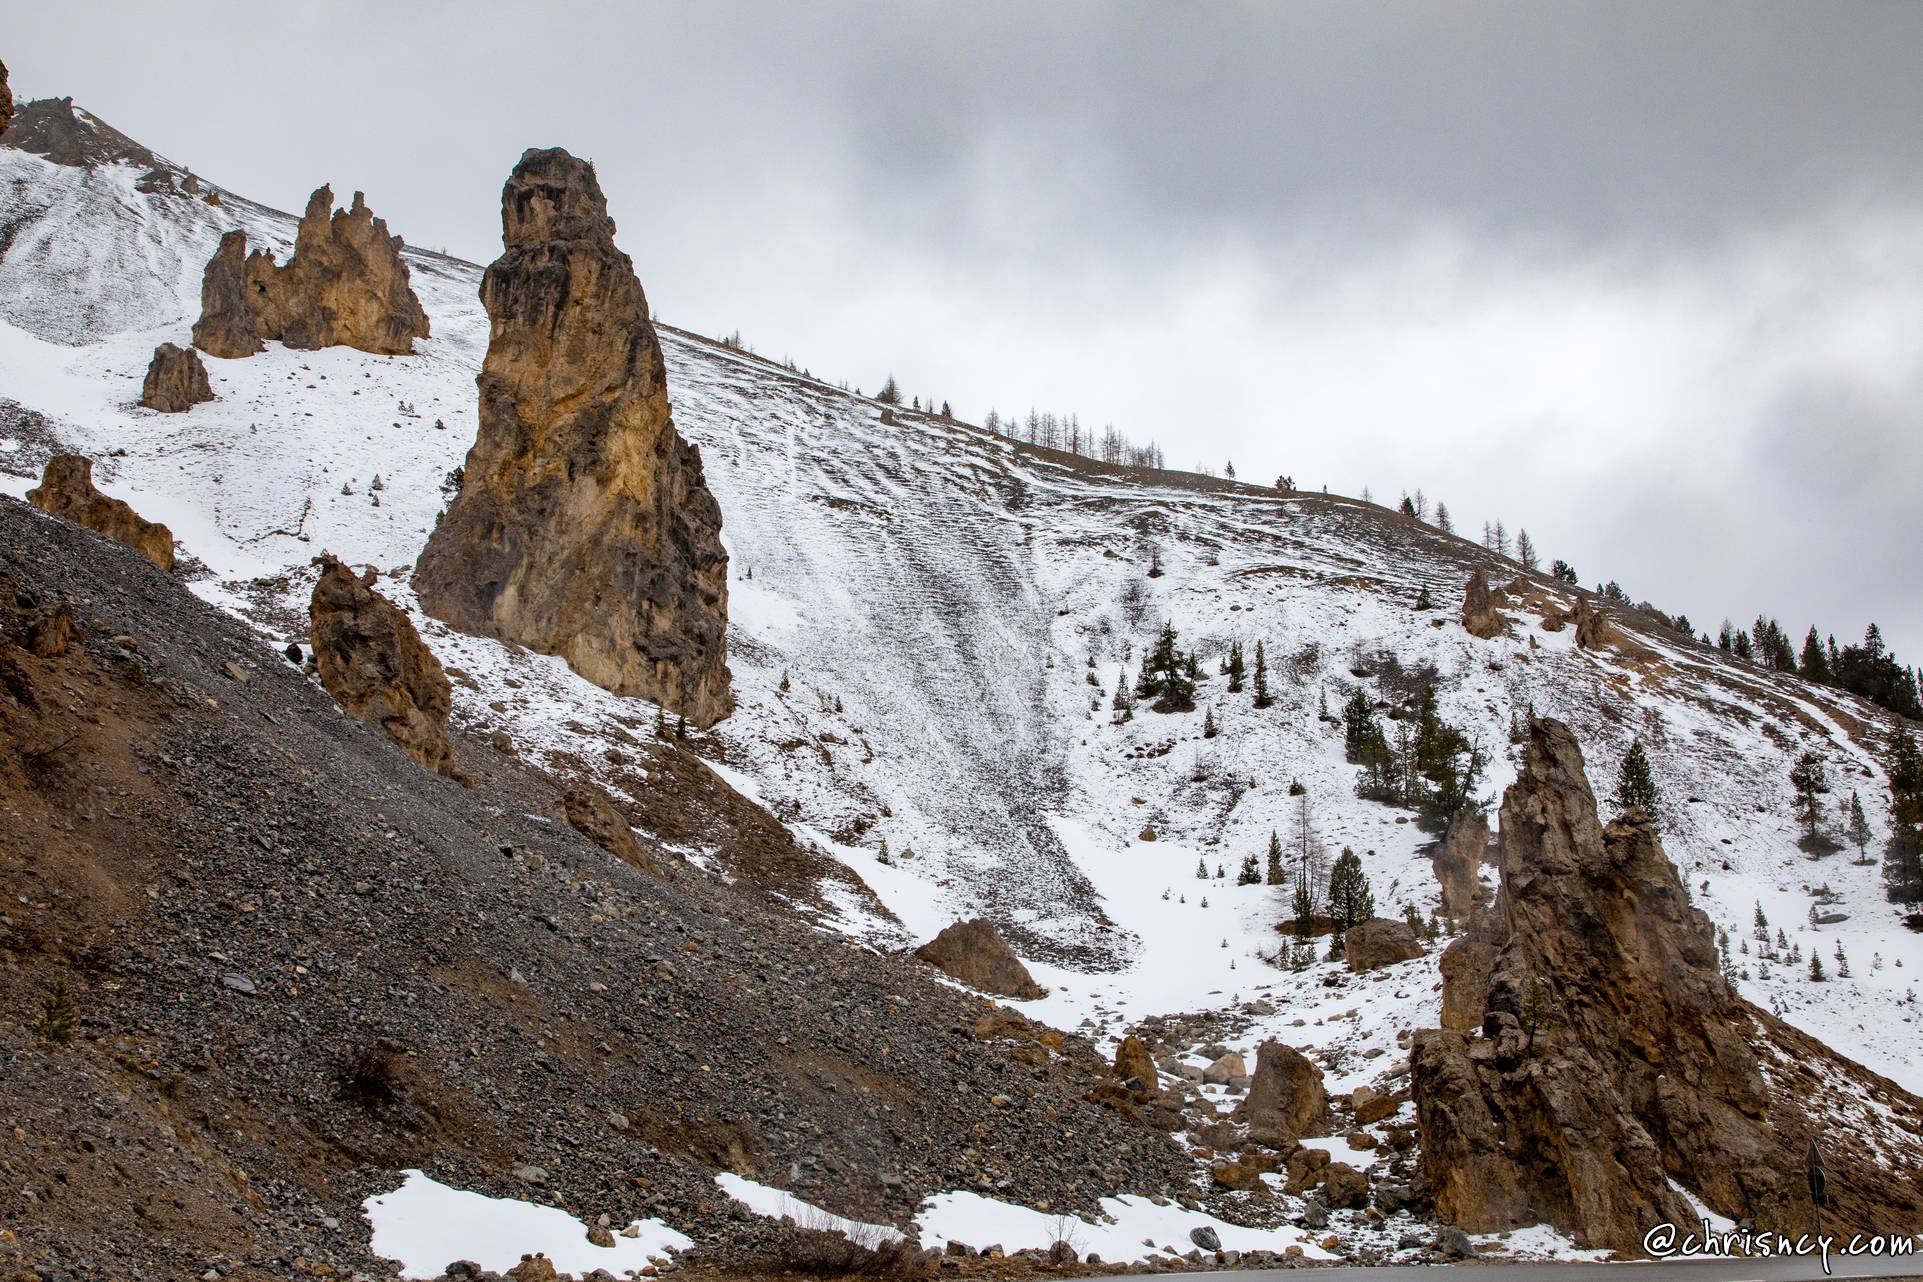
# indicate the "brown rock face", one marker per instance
pixel 1379 942
pixel 176 380
pixel 593 814
pixel 374 663
pixel 6 100
pixel 1457 860
pixel 975 953
pixel 66 489
pixel 1466 964
pixel 1286 1099
pixel 1479 616
pixel 585 527
pixel 1644 1066
pixel 345 286
pixel 1592 627
pixel 1132 1062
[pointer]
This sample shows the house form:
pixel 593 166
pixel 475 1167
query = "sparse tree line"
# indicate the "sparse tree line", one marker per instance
pixel 1868 670
pixel 1066 433
pixel 1422 763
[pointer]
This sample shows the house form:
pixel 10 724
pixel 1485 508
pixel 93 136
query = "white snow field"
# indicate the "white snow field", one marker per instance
pixel 952 615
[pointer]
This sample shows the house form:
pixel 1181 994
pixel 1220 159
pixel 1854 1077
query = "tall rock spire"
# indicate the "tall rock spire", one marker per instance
pixel 584 527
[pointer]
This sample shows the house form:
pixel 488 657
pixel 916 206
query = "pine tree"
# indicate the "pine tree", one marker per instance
pixel 1810 783
pixel 1856 826
pixel 1275 859
pixel 1235 668
pixel 1123 705
pixel 1201 870
pixel 1350 900
pixel 1536 1010
pixel 1168 675
pixel 1443 522
pixel 1815 664
pixel 1635 784
pixel 59 1018
pixel 1251 874
pixel 1208 724
pixel 1303 905
pixel 890 393
pixel 1262 696
pixel 1903 869
pixel 1762 923
pixel 1525 550
pixel 1816 967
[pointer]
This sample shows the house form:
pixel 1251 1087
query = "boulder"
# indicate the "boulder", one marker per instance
pixel 176 380
pixel 584 526
pixel 1307 1167
pixel 346 285
pixel 1479 615
pixel 1286 1099
pixel 1611 1041
pixel 975 953
pixel 593 814
pixel 1132 1063
pixel 1344 1188
pixel 1593 630
pixel 1466 963
pixel 1226 1068
pixel 1236 1176
pixel 374 663
pixel 66 489
pixel 1371 1106
pixel 1457 861
pixel 1378 942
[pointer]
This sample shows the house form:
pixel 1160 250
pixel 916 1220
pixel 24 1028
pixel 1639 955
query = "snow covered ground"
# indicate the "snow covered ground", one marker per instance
pixel 951 616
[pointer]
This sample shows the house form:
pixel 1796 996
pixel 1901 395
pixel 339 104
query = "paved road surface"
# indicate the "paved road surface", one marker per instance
pixel 1763 1270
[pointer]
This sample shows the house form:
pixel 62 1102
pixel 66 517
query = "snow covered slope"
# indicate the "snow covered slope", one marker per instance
pixel 916 607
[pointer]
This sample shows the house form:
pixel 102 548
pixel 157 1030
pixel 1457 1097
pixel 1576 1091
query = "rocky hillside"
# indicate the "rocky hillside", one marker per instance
pixel 926 627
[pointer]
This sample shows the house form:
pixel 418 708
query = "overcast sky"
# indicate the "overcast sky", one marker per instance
pixel 1646 280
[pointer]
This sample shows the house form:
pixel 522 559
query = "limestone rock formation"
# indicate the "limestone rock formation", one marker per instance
pixel 229 325
pixel 66 135
pixel 67 489
pixel 1479 615
pixel 374 663
pixel 1614 1062
pixel 584 526
pixel 176 380
pixel 593 814
pixel 346 285
pixel 975 953
pixel 1592 627
pixel 1132 1063
pixel 6 100
pixel 1457 861
pixel 1466 964
pixel 1378 942
pixel 1286 1099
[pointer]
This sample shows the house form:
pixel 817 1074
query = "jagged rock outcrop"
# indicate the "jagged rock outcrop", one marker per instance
pixel 1287 1100
pixel 592 813
pixel 66 489
pixel 1379 942
pixel 176 380
pixel 229 325
pixel 1479 615
pixel 375 665
pixel 584 526
pixel 1592 626
pixel 975 953
pixel 1614 1058
pixel 66 135
pixel 1465 965
pixel 346 285
pixel 6 100
pixel 1457 861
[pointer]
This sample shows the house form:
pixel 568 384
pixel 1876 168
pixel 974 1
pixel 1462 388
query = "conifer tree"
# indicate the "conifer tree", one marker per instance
pixel 1635 784
pixel 1262 696
pixel 1816 967
pixel 1525 550
pixel 1235 668
pixel 1903 869
pixel 890 393
pixel 1208 724
pixel 1275 859
pixel 59 1018
pixel 1201 870
pixel 1251 874
pixel 1443 522
pixel 1350 900
pixel 1815 664
pixel 1303 905
pixel 1810 782
pixel 1856 826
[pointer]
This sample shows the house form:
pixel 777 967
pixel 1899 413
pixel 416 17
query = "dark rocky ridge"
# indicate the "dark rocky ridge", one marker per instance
pixel 584 527
pixel 318 898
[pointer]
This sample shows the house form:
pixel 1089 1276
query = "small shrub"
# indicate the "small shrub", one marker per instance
pixel 59 1018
